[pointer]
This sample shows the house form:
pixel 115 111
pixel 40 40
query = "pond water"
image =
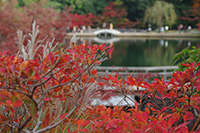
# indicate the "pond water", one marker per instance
pixel 143 51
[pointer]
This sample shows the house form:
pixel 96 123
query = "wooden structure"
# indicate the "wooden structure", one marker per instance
pixel 156 71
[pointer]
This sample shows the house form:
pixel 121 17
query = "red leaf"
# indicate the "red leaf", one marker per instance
pixel 164 108
pixel 91 80
pixel 63 116
pixel 114 80
pixel 110 52
pixel 84 78
pixel 118 129
pixel 84 130
pixel 9 102
pixel 112 124
pixel 85 123
pixel 99 123
pixel 62 99
pixel 101 83
pixel 171 122
pixel 18 103
pixel 23 65
pixel 94 72
pixel 198 64
pixel 47 99
pixel 188 116
pixel 131 80
pixel 105 78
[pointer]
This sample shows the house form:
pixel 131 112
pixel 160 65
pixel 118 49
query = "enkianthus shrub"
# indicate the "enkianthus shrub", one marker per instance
pixel 165 106
pixel 39 93
pixel 171 106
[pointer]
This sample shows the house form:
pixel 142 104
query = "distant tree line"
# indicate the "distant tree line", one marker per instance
pixel 125 13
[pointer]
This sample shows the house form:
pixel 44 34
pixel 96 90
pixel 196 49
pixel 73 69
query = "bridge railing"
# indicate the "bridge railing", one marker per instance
pixel 156 71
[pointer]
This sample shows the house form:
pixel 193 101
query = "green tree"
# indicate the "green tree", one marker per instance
pixel 27 2
pixel 182 6
pixel 81 6
pixel 1 2
pixel 136 8
pixel 161 13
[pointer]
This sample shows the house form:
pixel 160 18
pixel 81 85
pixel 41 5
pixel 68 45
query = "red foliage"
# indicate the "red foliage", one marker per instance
pixel 81 20
pixel 48 20
pixel 193 15
pixel 115 14
pixel 51 23
pixel 114 11
pixel 10 22
pixel 166 106
pixel 40 87
pixel 112 14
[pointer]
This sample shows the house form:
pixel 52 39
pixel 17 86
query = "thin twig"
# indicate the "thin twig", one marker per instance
pixel 56 124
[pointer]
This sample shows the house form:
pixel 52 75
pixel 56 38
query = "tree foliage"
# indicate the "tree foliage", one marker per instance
pixel 11 20
pixel 51 22
pixel 115 14
pixel 187 55
pixel 27 2
pixel 138 11
pixel 45 90
pixel 135 8
pixel 193 15
pixel 161 13
pixel 81 6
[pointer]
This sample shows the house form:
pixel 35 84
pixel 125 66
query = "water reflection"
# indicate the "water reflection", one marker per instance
pixel 106 40
pixel 143 51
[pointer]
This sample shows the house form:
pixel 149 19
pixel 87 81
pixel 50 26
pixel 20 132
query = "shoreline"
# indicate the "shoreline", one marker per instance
pixel 146 35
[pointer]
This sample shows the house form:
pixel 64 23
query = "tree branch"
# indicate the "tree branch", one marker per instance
pixel 56 124
pixel 24 124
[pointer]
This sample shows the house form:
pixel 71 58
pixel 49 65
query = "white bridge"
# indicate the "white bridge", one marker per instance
pixel 106 32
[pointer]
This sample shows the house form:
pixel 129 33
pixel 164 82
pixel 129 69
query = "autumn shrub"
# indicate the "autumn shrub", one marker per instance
pixel 171 106
pixel 39 92
pixel 165 106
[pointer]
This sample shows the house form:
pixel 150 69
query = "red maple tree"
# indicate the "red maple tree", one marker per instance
pixel 193 15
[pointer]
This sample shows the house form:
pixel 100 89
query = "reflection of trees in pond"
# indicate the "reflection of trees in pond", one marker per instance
pixel 159 55
pixel 118 54
pixel 146 52
pixel 135 53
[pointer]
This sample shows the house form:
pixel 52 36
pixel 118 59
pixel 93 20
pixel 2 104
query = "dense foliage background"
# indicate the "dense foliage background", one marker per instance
pixel 135 8
pixel 55 17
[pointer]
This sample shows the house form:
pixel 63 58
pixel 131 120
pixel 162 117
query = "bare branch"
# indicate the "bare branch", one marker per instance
pixel 38 121
pixel 24 124
pixel 56 124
